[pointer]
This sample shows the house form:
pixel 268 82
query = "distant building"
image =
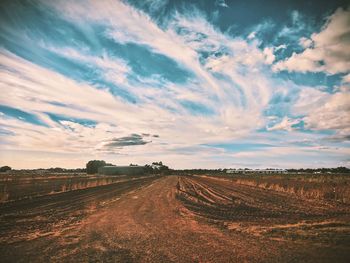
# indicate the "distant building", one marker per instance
pixel 121 170
pixel 156 166
pixel 233 171
pixel 262 171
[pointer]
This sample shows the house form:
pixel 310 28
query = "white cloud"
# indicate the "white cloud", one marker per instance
pixel 236 101
pixel 325 111
pixel 37 90
pixel 114 69
pixel 269 56
pixel 154 5
pixel 305 42
pixel 283 46
pixel 129 25
pixel 286 124
pixel 242 96
pixel 251 35
pixel 221 3
pixel 233 81
pixel 346 79
pixel 334 114
pixel 295 17
pixel 326 51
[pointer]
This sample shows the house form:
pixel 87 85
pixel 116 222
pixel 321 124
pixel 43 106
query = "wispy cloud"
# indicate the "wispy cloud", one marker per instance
pixel 221 3
pixel 325 111
pixel 148 91
pixel 327 50
pixel 131 140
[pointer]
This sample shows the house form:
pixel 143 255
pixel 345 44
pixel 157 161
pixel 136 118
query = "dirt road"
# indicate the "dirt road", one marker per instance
pixel 178 219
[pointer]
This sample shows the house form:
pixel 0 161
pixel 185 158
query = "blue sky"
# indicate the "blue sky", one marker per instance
pixel 208 84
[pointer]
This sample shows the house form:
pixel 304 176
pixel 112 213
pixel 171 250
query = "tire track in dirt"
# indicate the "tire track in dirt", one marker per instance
pixel 241 200
pixel 270 214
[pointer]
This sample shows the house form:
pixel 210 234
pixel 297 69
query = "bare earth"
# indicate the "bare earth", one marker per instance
pixel 174 219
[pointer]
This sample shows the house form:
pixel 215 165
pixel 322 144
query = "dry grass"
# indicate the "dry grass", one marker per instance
pixel 17 187
pixel 334 188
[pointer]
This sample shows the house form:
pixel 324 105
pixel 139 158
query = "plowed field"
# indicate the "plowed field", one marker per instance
pixel 174 219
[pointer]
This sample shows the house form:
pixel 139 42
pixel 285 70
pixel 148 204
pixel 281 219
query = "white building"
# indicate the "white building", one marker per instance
pixel 259 171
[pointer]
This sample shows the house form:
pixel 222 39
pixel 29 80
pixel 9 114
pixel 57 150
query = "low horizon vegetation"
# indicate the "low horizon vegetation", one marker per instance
pixel 94 164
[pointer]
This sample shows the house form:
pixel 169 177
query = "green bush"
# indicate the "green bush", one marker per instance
pixel 92 166
pixel 5 168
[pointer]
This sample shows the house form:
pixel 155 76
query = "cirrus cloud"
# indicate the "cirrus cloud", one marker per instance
pixel 325 51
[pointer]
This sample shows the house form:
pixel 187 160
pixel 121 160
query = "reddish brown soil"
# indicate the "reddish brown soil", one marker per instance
pixel 175 219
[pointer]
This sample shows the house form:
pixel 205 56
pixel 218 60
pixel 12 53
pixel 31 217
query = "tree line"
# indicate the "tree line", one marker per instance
pixel 156 167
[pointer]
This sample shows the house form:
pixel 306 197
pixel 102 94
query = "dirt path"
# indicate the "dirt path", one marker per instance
pixel 193 219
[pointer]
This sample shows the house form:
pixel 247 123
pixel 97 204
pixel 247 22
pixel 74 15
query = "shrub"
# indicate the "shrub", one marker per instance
pixel 5 168
pixel 92 166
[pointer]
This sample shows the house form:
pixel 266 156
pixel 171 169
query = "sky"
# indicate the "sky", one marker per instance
pixel 195 84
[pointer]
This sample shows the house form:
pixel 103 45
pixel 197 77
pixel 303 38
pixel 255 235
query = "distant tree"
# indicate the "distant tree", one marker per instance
pixel 341 170
pixel 56 170
pixel 92 166
pixel 159 167
pixel 158 163
pixel 149 169
pixel 5 168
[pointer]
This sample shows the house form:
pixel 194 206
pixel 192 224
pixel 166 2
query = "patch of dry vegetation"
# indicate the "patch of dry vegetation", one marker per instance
pixel 17 187
pixel 322 187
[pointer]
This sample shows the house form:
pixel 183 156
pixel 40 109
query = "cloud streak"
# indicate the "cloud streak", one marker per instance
pixel 138 89
pixel 132 140
pixel 327 50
